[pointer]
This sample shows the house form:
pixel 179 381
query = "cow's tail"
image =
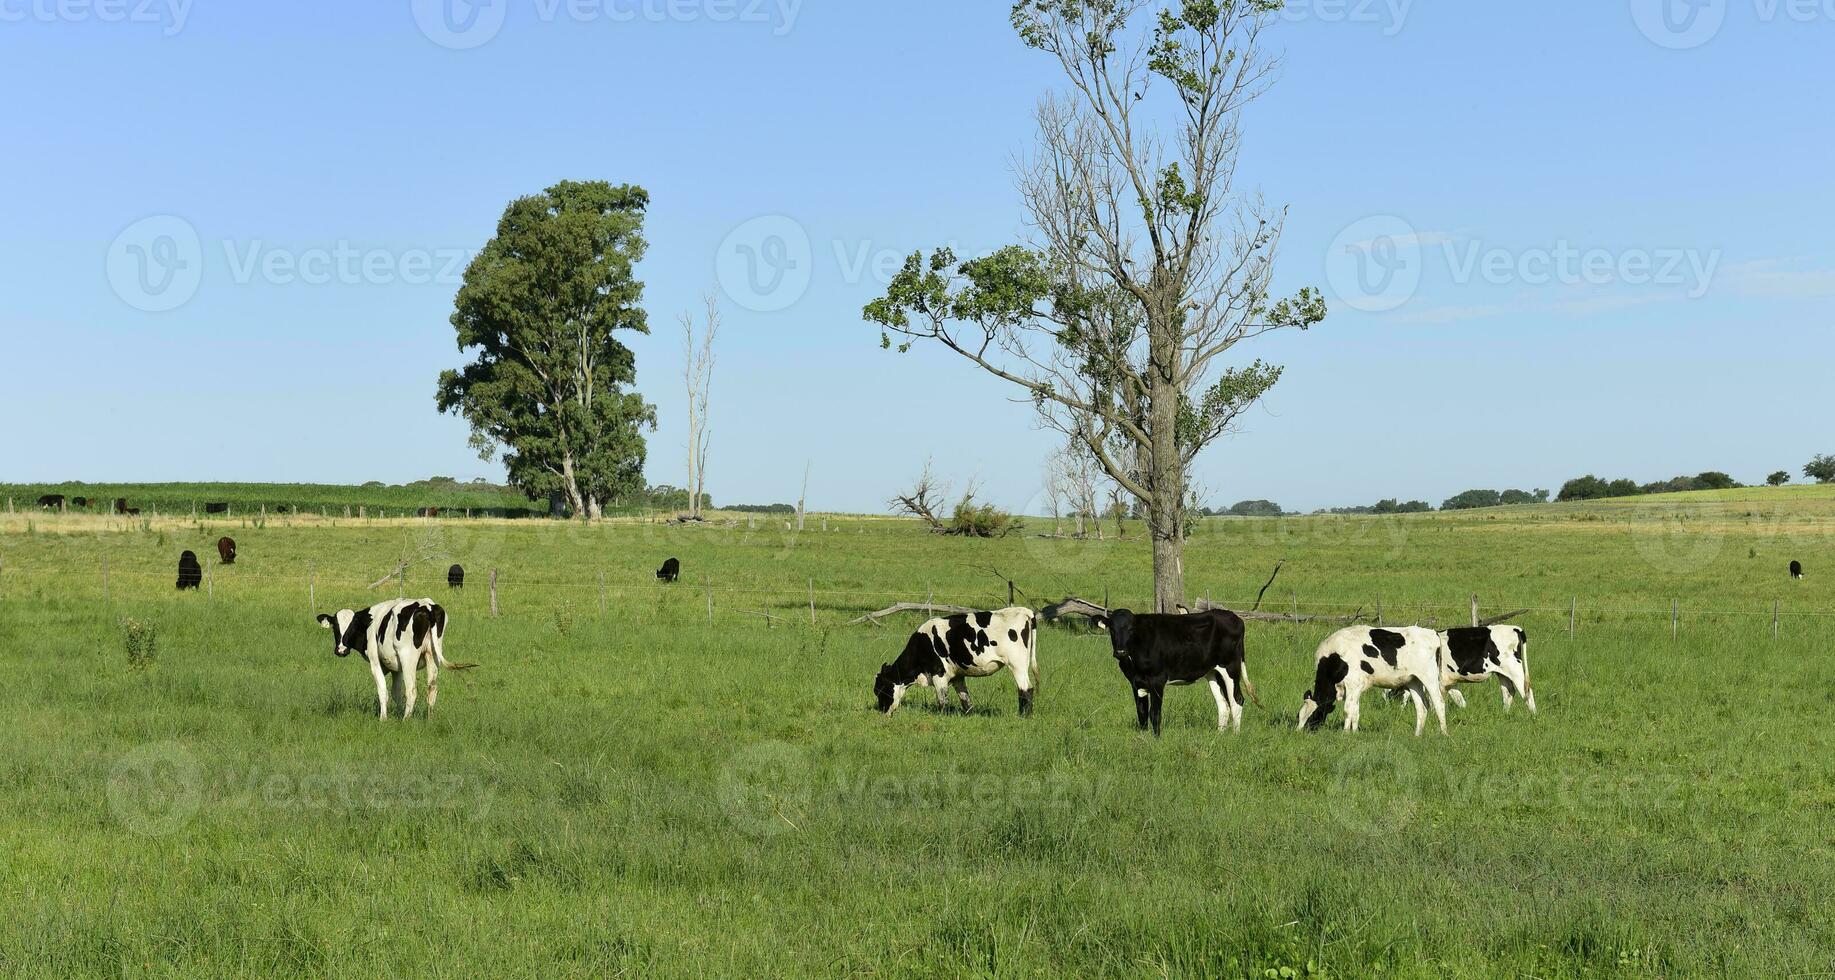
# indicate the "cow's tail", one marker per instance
pixel 1522 654
pixel 437 635
pixel 1032 652
pixel 1247 685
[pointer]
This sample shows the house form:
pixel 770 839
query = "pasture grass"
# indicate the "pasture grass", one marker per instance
pixel 643 792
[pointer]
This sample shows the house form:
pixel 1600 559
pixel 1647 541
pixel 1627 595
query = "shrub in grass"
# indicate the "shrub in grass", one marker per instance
pixel 141 639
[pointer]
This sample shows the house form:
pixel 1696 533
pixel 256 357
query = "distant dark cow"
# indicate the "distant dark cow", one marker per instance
pixel 280 509
pixel 226 550
pixel 120 505
pixel 54 501
pixel 79 501
pixel 429 512
pixel 132 512
pixel 671 570
pixel 455 577
pixel 216 508
pixel 396 637
pixel 1471 654
pixel 1357 658
pixel 1154 650
pixel 948 649
pixel 1796 569
pixel 190 573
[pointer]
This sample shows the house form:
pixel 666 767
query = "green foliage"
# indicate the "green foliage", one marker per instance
pixel 140 638
pixel 974 520
pixel 1778 479
pixel 540 306
pixel 1255 508
pixel 1473 499
pixel 1821 469
pixel 1590 487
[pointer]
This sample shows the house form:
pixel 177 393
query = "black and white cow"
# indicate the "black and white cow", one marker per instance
pixel 948 649
pixel 190 573
pixel 396 637
pixel 1470 654
pixel 1796 569
pixel 1357 658
pixel 671 570
pixel 52 501
pixel 1154 650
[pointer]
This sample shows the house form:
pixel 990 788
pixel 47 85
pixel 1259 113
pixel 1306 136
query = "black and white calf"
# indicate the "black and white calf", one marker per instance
pixel 1357 658
pixel 1154 650
pixel 1470 654
pixel 671 570
pixel 948 649
pixel 1796 570
pixel 396 637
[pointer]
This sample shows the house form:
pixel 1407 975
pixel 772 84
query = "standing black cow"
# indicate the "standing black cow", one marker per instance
pixel 190 573
pixel 455 577
pixel 120 505
pixel 210 508
pixel 670 571
pixel 79 501
pixel 1155 650
pixel 226 550
pixel 1796 569
pixel 52 501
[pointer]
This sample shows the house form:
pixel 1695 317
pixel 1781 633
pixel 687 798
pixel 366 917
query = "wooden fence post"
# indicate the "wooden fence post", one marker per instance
pixel 930 599
pixel 1573 615
pixel 312 589
pixel 601 593
pixel 710 601
pixel 1379 610
pixel 105 579
pixel 210 580
pixel 1009 592
pixel 812 602
pixel 1474 609
pixel 1774 620
pixel 493 593
pixel 1675 618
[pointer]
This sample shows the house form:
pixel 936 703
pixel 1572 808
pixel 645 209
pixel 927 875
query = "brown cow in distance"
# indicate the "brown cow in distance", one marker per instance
pixel 226 550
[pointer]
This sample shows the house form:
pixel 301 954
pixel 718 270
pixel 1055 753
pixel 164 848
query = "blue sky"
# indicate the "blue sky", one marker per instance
pixel 1562 238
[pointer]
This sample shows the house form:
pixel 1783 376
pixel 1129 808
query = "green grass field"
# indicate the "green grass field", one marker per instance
pixel 661 790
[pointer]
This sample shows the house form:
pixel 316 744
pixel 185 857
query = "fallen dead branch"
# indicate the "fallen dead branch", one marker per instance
pixel 900 607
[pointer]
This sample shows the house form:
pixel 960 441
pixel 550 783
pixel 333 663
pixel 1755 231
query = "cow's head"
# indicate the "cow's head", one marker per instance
pixel 347 631
pixel 885 692
pixel 1313 713
pixel 1120 626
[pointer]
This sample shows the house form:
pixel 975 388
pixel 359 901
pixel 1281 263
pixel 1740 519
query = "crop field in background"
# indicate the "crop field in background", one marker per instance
pixel 652 780
pixel 249 499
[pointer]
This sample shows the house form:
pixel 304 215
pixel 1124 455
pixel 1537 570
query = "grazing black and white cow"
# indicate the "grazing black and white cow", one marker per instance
pixel 455 577
pixel 671 570
pixel 190 573
pixel 210 508
pixel 1357 658
pixel 52 501
pixel 1470 654
pixel 226 550
pixel 1796 569
pixel 1155 649
pixel 948 649
pixel 396 637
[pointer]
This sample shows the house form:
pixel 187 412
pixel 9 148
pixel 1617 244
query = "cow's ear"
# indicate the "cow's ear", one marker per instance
pixel 1100 622
pixel 325 621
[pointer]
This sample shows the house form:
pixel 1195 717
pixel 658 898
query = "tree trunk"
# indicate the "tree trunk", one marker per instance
pixel 593 510
pixel 1164 463
pixel 572 486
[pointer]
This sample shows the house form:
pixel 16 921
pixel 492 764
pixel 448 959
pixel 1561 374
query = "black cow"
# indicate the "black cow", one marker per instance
pixel 190 573
pixel 226 550
pixel 120 505
pixel 281 509
pixel 1796 569
pixel 1154 650
pixel 216 508
pixel 455 577
pixel 79 501
pixel 671 570
pixel 52 501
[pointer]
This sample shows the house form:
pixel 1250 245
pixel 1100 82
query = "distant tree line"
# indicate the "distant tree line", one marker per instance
pixel 1472 499
pixel 761 508
pixel 1591 487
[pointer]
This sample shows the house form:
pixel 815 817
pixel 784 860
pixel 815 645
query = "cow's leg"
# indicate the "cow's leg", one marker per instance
pixel 1510 679
pixel 942 689
pixel 1436 701
pixel 1216 681
pixel 1352 696
pixel 1417 692
pixel 961 687
pixel 1022 679
pixel 382 690
pixel 1453 695
pixel 1155 696
pixel 433 681
pixel 1142 709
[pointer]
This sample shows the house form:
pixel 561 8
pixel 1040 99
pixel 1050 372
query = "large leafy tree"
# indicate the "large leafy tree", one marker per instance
pixel 1147 268
pixel 540 306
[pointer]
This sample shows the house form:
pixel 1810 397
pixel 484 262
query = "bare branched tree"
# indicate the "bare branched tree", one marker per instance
pixel 698 372
pixel 925 500
pixel 1146 268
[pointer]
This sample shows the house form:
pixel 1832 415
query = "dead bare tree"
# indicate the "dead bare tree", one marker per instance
pixel 804 496
pixel 1146 269
pixel 924 500
pixel 698 372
